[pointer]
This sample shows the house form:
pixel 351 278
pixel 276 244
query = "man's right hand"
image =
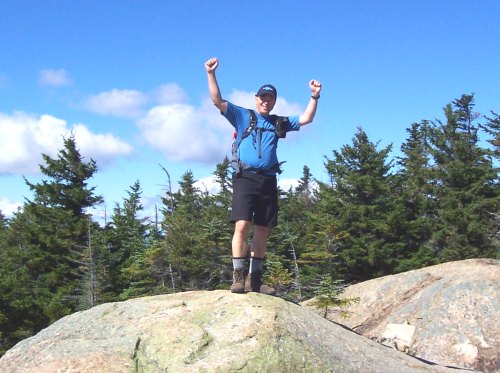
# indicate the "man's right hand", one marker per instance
pixel 211 65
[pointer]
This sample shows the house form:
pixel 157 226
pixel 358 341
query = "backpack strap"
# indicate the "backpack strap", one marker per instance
pixel 251 126
pixel 236 163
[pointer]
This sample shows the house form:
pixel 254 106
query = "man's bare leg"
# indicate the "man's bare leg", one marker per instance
pixel 239 246
pixel 258 252
pixel 239 250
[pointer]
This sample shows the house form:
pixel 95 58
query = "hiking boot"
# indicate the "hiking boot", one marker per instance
pixel 253 283
pixel 238 285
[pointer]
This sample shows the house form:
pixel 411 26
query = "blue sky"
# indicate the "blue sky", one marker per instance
pixel 127 78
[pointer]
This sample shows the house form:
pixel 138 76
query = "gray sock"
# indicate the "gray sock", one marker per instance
pixel 256 264
pixel 239 263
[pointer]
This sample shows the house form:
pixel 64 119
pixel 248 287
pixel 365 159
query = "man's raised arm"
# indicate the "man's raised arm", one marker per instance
pixel 213 87
pixel 308 114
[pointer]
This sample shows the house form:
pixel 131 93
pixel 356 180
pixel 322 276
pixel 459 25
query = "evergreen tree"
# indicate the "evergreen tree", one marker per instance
pixel 3 225
pixel 157 267
pixel 21 314
pixel 93 259
pixel 182 246
pixel 58 227
pixel 67 184
pixel 492 128
pixel 415 185
pixel 305 188
pixel 127 243
pixel 222 175
pixel 466 186
pixel 216 230
pixel 289 242
pixel 328 295
pixel 42 252
pixel 364 207
pixel 323 236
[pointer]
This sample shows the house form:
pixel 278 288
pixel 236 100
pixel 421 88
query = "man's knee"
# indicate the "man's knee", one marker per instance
pixel 242 227
pixel 261 231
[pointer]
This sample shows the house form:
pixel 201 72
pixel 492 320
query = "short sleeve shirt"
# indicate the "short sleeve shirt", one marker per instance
pixel 259 149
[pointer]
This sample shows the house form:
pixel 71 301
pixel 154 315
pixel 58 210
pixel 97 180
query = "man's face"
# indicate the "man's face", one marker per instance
pixel 265 103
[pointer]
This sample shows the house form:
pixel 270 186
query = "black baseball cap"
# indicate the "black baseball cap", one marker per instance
pixel 267 89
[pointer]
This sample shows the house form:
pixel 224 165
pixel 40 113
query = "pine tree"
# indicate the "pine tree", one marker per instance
pixel 216 230
pixel 21 313
pixel 492 128
pixel 222 175
pixel 58 228
pixel 182 246
pixel 93 258
pixel 127 244
pixel 156 262
pixel 323 236
pixel 43 249
pixel 363 206
pixel 329 295
pixel 67 187
pixel 3 225
pixel 305 188
pixel 289 242
pixel 416 197
pixel 466 186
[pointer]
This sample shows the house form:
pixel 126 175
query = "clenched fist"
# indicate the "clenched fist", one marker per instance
pixel 315 87
pixel 211 65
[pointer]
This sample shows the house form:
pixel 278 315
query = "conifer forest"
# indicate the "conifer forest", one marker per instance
pixel 436 202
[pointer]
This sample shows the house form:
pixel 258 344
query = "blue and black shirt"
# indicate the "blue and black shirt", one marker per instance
pixel 258 151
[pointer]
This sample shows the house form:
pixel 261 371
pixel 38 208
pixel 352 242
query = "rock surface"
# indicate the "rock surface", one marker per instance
pixel 204 332
pixel 454 307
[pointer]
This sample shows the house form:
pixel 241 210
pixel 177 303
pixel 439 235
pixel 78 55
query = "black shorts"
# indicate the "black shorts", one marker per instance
pixel 255 199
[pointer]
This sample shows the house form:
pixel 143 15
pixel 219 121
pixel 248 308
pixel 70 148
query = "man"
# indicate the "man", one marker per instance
pixel 255 191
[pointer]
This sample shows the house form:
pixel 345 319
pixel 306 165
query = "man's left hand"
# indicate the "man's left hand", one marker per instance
pixel 315 87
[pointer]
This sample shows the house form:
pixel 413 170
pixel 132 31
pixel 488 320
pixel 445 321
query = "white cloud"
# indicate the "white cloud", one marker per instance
pixel 54 78
pixel 182 133
pixel 104 148
pixel 169 94
pixel 213 119
pixel 286 184
pixel 132 103
pixel 208 184
pixel 118 102
pixel 24 137
pixel 8 208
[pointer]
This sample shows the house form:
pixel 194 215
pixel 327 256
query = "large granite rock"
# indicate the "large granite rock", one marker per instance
pixel 204 332
pixel 448 314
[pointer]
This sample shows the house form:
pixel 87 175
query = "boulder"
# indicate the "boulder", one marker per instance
pixel 399 335
pixel 206 331
pixel 453 307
